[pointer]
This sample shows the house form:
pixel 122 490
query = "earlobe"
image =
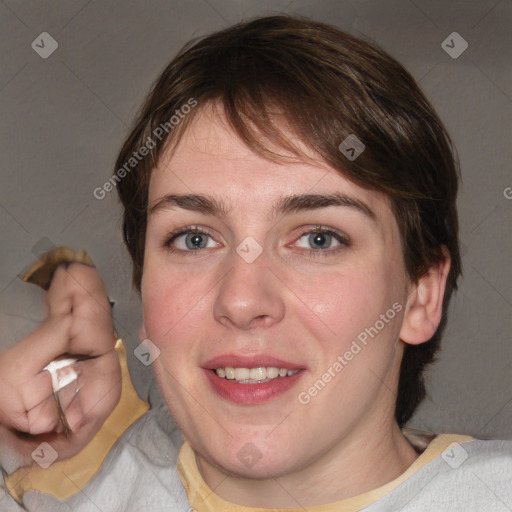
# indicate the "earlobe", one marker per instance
pixel 425 304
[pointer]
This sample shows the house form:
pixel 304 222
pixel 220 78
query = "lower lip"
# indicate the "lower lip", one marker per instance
pixel 251 394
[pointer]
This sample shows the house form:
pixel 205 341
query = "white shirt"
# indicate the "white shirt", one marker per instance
pixel 140 474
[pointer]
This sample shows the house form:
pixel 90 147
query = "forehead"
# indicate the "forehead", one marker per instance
pixel 210 159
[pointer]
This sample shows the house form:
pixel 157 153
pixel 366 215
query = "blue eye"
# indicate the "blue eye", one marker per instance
pixel 319 240
pixel 190 240
pixel 196 240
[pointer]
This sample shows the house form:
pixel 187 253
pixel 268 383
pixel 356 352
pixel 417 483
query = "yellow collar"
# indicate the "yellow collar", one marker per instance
pixel 203 499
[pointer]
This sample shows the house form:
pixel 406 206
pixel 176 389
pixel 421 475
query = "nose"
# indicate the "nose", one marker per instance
pixel 250 295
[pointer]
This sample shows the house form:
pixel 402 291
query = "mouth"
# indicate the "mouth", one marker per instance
pixel 251 380
pixel 258 375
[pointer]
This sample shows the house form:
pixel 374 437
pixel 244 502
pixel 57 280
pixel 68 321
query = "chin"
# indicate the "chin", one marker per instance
pixel 250 457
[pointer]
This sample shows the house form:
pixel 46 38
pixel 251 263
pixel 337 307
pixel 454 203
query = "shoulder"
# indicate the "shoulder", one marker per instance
pixel 484 463
pixel 139 473
pixel 490 457
pixel 151 445
pixel 154 436
pixel 466 474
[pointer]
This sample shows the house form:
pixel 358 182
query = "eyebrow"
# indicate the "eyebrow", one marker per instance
pixel 286 205
pixel 297 203
pixel 193 202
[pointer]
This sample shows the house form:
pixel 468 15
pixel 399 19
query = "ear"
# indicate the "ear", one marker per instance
pixel 424 306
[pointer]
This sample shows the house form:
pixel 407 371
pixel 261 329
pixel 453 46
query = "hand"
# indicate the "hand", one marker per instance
pixel 79 324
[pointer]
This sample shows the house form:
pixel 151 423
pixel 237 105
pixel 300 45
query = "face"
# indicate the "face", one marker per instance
pixel 275 293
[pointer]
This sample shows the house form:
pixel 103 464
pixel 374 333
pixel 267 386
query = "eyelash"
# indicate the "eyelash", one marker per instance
pixel 343 240
pixel 182 231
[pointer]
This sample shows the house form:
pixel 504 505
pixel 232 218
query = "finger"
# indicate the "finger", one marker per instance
pixel 100 389
pixel 27 400
pixel 76 418
pixel 16 418
pixel 70 281
pixel 80 289
pixel 49 341
pixel 43 418
pixel 59 295
pixel 69 393
pixel 92 331
pixel 35 390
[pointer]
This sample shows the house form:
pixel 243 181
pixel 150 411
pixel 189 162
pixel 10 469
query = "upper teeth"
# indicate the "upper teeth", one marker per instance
pixel 256 374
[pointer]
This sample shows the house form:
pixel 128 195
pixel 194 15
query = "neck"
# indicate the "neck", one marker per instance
pixel 361 462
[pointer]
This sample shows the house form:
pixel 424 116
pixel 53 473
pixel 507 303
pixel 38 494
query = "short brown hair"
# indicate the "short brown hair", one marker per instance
pixel 328 85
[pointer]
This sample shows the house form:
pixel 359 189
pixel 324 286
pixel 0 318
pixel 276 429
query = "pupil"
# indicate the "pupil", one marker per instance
pixel 195 241
pixel 320 240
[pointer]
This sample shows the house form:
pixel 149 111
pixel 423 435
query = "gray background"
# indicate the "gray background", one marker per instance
pixel 63 119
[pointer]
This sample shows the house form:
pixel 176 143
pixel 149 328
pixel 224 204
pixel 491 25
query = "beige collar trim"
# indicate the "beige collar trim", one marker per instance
pixel 203 499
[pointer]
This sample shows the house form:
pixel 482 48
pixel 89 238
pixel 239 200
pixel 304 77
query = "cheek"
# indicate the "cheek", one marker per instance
pixel 171 302
pixel 343 313
pixel 343 302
